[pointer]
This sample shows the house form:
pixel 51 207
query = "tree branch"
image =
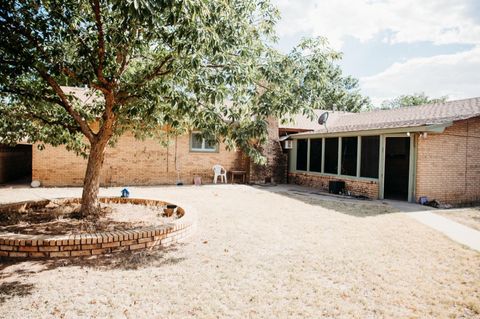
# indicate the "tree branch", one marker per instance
pixel 101 41
pixel 71 129
pixel 215 66
pixel 123 65
pixel 86 130
pixel 39 96
pixel 157 71
pixel 123 97
pixel 263 86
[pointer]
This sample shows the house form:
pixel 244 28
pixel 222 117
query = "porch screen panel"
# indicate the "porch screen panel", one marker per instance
pixel 302 148
pixel 370 155
pixel 349 156
pixel 331 155
pixel 316 155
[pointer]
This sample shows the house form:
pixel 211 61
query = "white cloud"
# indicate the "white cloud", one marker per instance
pixel 409 21
pixel 456 75
pixel 400 21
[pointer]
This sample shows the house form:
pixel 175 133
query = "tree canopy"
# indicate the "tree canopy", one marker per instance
pixel 155 67
pixel 411 100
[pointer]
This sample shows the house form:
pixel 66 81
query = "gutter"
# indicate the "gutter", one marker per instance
pixel 433 128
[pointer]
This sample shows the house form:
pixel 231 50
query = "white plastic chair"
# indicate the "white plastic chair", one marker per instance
pixel 218 170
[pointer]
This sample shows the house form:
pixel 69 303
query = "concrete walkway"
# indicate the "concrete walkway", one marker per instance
pixel 426 215
pixel 456 231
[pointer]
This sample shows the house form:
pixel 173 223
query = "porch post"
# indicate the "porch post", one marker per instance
pixel 381 167
pixel 323 156
pixel 359 155
pixel 308 155
pixel 412 169
pixel 339 159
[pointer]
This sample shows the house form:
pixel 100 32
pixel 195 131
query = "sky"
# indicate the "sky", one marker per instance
pixel 394 47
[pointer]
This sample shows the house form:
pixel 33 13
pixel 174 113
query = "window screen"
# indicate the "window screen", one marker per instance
pixel 349 156
pixel 316 155
pixel 197 141
pixel 209 145
pixel 302 155
pixel 199 144
pixel 369 156
pixel 331 155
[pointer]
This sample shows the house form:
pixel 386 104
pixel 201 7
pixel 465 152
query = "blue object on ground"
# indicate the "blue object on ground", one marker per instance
pixel 423 200
pixel 125 193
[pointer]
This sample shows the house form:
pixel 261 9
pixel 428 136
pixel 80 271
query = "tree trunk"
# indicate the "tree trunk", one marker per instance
pixel 91 183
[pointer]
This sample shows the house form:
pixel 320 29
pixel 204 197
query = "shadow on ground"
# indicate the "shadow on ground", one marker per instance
pixel 14 288
pixel 128 260
pixel 349 206
pixel 14 271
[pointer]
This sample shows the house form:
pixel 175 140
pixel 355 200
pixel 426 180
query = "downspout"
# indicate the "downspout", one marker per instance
pixel 178 182
pixel 168 146
pixel 466 159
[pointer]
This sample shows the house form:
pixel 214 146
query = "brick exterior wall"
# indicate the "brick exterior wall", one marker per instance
pixel 275 170
pixel 135 162
pixel 354 186
pixel 448 164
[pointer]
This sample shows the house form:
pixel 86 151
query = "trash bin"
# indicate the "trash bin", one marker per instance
pixel 336 187
pixel 197 180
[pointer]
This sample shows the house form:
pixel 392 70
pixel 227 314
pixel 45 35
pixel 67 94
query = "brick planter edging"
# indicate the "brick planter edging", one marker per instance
pixel 87 244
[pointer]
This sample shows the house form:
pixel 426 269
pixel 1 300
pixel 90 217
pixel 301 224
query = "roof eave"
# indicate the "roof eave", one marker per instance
pixel 433 128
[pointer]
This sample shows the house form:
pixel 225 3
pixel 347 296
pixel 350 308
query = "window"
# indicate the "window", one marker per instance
pixel 199 144
pixel 316 155
pixel 302 148
pixel 369 156
pixel 349 156
pixel 331 155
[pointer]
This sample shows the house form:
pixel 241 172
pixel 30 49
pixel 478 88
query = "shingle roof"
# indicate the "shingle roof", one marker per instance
pixel 412 116
pixel 338 121
pixel 302 122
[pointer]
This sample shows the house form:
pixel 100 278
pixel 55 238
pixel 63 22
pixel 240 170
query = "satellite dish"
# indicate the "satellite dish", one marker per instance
pixel 322 120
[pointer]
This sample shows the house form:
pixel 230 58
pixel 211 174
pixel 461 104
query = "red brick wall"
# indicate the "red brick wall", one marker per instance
pixel 134 162
pixel 448 164
pixel 354 186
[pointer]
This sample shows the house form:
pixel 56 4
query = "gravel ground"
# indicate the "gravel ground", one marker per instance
pixel 257 254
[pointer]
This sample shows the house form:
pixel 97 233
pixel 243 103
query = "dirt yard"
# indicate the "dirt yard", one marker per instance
pixel 257 253
pixel 63 218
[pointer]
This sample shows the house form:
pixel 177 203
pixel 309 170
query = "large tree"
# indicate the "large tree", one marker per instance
pixel 411 100
pixel 153 67
pixel 308 78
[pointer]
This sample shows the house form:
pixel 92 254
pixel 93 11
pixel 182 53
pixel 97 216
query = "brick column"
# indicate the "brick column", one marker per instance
pixel 275 170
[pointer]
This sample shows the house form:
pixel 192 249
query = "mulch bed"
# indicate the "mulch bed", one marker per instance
pixel 63 218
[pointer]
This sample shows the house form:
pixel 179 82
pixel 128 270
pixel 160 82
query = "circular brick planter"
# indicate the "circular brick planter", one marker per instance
pixel 87 244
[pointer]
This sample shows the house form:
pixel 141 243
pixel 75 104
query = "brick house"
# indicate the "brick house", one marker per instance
pixel 130 162
pixel 135 162
pixel 429 150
